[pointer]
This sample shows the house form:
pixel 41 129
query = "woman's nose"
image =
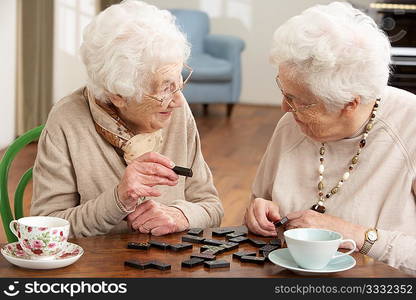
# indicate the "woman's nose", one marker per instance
pixel 177 101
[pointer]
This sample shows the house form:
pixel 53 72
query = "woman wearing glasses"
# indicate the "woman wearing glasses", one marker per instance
pixel 106 155
pixel 343 158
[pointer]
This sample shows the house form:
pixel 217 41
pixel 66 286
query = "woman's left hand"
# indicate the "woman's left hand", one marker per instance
pixel 157 219
pixel 312 219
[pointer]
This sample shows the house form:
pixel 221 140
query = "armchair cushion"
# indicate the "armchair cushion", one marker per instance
pixel 209 68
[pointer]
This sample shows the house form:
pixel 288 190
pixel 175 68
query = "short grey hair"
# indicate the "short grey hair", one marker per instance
pixel 125 44
pixel 337 51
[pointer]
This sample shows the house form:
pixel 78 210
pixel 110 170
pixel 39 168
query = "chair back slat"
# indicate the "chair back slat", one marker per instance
pixel 11 152
pixel 19 193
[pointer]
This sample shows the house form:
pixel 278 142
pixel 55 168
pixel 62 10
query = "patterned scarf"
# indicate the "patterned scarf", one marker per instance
pixel 114 130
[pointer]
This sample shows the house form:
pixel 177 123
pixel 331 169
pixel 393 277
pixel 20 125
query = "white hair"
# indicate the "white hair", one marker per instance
pixel 125 44
pixel 337 51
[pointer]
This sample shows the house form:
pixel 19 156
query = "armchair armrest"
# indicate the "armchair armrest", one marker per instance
pixel 223 46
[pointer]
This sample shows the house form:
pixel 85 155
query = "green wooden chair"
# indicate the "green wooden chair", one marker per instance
pixel 6 161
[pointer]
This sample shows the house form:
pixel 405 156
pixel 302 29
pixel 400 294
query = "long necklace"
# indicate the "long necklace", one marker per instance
pixel 319 206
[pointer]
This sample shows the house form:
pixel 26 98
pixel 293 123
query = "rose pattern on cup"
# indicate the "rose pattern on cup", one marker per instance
pixel 44 242
pixel 17 251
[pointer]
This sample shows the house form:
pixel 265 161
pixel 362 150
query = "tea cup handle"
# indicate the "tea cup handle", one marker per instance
pixel 349 252
pixel 13 228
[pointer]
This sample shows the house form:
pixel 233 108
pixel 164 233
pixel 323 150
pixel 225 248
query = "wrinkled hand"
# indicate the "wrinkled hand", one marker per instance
pixel 140 177
pixel 157 219
pixel 312 219
pixel 260 216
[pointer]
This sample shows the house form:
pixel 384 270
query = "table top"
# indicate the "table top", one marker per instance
pixel 104 256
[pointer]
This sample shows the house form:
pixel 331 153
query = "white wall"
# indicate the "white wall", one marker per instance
pixel 252 20
pixel 7 71
pixel 71 16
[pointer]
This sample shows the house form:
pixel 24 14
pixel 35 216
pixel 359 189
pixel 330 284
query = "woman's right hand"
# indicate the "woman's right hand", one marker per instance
pixel 140 177
pixel 260 216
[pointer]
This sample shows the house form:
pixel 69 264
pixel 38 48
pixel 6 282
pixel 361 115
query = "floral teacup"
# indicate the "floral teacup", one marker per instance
pixel 41 237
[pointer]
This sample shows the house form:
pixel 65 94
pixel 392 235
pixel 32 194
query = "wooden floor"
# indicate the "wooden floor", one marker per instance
pixel 232 148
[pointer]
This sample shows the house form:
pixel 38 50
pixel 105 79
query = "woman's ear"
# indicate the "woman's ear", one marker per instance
pixel 117 100
pixel 352 106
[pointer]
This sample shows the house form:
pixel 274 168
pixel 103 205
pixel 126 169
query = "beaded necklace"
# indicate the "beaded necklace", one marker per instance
pixel 319 206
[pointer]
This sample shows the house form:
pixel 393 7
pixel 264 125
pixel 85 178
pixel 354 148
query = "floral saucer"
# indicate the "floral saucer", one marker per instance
pixel 14 254
pixel 282 257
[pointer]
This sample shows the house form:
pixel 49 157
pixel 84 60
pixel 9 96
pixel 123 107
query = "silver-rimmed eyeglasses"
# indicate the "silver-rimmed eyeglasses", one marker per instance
pixel 289 100
pixel 166 99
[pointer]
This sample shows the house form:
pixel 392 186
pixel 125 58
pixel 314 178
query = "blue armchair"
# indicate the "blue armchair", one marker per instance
pixel 215 59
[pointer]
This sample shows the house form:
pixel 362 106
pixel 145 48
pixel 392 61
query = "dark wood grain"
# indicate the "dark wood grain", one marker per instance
pixel 105 255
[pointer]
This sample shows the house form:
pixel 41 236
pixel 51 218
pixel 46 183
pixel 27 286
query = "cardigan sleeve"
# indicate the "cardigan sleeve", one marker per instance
pixel 396 248
pixel 55 191
pixel 201 205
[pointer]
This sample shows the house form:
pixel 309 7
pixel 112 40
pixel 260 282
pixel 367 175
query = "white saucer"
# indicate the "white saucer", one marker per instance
pixel 282 257
pixel 14 254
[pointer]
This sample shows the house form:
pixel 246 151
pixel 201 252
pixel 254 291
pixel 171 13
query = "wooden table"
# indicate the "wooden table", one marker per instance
pixel 104 256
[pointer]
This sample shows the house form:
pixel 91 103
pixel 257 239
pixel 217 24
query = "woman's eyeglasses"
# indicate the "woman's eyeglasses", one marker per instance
pixel 166 99
pixel 289 100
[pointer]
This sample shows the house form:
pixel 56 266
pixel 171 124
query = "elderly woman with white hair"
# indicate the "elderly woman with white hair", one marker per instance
pixel 106 155
pixel 343 158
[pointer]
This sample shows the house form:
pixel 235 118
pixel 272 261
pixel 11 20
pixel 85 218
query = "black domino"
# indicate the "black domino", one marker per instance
pixel 160 265
pixel 160 245
pixel 193 239
pixel 138 246
pixel 193 262
pixel 221 231
pixel 183 171
pixel 153 264
pixel 275 242
pixel 281 222
pixel 235 234
pixel 204 256
pixel 239 239
pixel 253 259
pixel 230 246
pixel 195 231
pixel 266 255
pixel 138 264
pixel 214 250
pixel 180 247
pixel 267 249
pixel 212 242
pixel 217 264
pixel 210 252
pixel 240 254
pixel 257 243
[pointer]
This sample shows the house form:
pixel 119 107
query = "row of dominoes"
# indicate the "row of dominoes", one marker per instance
pixel 230 233
pixel 160 245
pixel 209 251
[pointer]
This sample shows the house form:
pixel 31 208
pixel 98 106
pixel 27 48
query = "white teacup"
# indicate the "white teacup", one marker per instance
pixel 41 237
pixel 313 248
